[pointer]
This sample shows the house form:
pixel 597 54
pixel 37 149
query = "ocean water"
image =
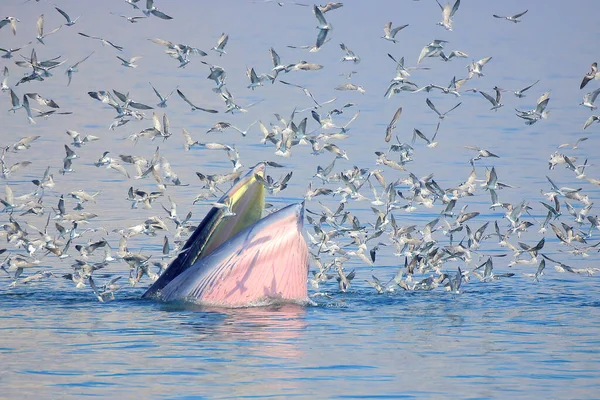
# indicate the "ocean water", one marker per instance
pixel 508 337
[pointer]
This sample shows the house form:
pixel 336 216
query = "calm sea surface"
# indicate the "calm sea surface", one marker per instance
pixel 504 338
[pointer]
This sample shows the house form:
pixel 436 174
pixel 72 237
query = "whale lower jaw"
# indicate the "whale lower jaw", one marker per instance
pixel 266 262
pixel 262 302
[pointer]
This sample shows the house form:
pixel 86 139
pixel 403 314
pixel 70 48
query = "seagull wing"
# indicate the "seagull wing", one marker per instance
pixel 489 98
pixel 156 92
pixel 79 62
pixel 40 26
pixel 456 106
pixel 484 61
pixel 64 14
pixel 593 95
pixel 275 57
pixel 455 8
pixel 387 28
pixel 160 14
pixel 430 104
pixel 519 14
pixel 185 98
pixel 320 39
pixel 397 29
pixel 319 15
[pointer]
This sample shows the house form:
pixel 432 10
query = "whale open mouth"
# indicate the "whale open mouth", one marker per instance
pixel 246 199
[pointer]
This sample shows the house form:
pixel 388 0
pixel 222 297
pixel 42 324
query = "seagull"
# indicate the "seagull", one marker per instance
pixel 133 19
pixel 573 146
pixel 151 9
pixel 350 56
pixel 430 143
pixel 78 141
pixel 512 18
pixel 8 52
pixel 68 160
pixel 452 88
pixel 14 99
pixel 321 40
pixel 480 153
pixel 590 98
pixel 447 14
pixel 244 133
pixel 73 68
pixel 306 66
pixel 254 81
pixel 392 125
pixel 221 43
pixel 593 74
pixel 217 74
pixel 194 108
pixel 40 29
pixel 496 104
pixel 351 86
pixel 70 22
pixel 389 33
pixel 442 116
pixel 163 100
pixel 277 66
pixel 42 101
pixel 476 67
pixel 12 21
pixel 532 116
pixel 519 93
pixel 453 53
pixel 308 93
pixel 129 63
pixel 104 41
pixel 431 49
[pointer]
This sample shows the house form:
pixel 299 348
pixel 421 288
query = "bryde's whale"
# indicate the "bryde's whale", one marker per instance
pixel 240 260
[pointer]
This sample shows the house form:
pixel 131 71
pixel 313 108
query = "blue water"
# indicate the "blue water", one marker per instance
pixel 511 337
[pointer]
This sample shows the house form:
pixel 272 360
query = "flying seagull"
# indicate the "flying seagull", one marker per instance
pixel 447 14
pixel 593 74
pixel 392 124
pixel 441 115
pixel 496 104
pixel 40 29
pixel 12 21
pixel 221 43
pixel 104 41
pixel 512 18
pixel 70 22
pixel 194 107
pixel 151 9
pixel 389 33
pixel 73 68
pixel 163 100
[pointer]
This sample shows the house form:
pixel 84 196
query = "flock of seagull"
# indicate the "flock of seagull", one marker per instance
pixel 37 236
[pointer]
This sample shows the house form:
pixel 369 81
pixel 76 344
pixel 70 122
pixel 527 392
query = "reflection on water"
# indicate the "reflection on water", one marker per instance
pixel 514 339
